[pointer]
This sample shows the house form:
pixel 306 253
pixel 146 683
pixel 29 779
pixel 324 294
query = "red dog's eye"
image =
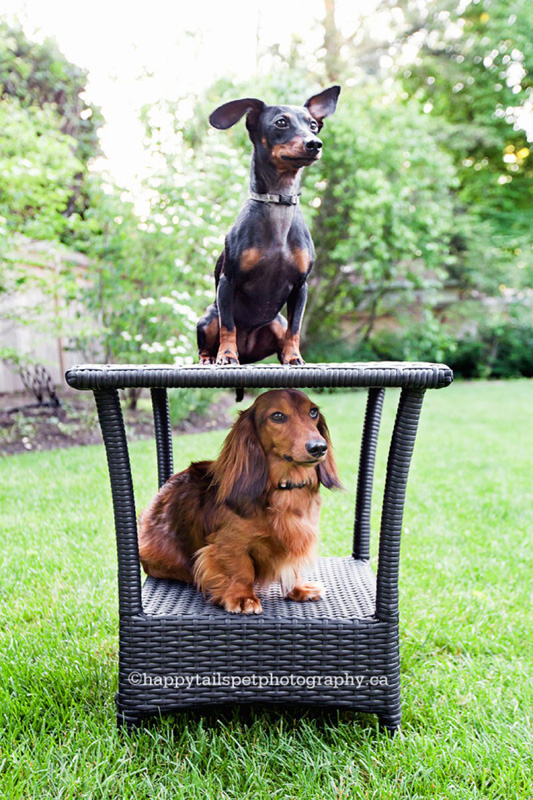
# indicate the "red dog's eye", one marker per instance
pixel 277 416
pixel 314 413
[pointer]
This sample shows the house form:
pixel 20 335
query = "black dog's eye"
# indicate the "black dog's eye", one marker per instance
pixel 314 413
pixel 277 416
pixel 313 126
pixel 281 123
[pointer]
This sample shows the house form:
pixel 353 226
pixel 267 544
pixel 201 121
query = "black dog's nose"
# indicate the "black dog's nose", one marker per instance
pixel 314 145
pixel 317 447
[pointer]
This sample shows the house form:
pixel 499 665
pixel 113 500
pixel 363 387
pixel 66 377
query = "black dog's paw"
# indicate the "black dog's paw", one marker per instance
pixel 293 361
pixel 227 359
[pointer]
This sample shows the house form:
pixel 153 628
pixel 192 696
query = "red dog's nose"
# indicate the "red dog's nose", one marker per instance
pixel 317 447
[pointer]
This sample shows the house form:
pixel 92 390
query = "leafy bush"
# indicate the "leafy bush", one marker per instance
pixel 38 75
pixel 38 169
pixel 513 350
pixel 421 341
pixel 468 360
pixel 499 349
pixel 381 206
pixel 184 402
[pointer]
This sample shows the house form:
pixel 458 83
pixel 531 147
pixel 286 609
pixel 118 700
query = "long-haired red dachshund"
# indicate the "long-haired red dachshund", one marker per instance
pixel 251 516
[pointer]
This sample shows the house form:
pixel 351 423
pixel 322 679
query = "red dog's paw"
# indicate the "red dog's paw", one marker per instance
pixel 306 591
pixel 242 605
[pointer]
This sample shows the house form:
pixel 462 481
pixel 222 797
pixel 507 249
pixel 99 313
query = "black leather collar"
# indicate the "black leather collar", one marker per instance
pixel 282 199
pixel 290 485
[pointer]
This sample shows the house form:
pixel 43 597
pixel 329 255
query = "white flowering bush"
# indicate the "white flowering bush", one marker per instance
pixel 161 329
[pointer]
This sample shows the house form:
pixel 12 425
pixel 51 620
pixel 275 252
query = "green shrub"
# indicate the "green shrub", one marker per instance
pixel 422 341
pixel 500 349
pixel 326 350
pixel 469 359
pixel 184 402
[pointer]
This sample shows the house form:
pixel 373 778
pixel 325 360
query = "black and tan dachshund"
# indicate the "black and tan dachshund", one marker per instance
pixel 268 252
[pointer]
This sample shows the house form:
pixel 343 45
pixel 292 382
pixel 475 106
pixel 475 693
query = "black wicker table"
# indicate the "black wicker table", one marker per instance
pixel 179 651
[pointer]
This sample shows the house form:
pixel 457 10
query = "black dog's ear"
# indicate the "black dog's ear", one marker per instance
pixel 327 470
pixel 228 114
pixel 241 469
pixel 323 104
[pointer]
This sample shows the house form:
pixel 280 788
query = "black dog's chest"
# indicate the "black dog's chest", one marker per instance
pixel 265 280
pixel 268 267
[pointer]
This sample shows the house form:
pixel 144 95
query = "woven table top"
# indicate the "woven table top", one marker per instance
pixel 350 594
pixel 413 375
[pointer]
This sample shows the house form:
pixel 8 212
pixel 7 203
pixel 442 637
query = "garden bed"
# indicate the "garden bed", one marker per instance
pixel 75 421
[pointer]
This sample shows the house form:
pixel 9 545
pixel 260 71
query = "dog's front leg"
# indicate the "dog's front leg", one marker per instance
pixel 227 351
pixel 295 311
pixel 227 575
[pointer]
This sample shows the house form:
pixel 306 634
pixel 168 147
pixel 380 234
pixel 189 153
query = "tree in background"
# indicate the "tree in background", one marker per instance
pixel 48 133
pixel 474 71
pixel 382 210
pixel 467 66
pixel 395 202
pixel 38 166
pixel 37 75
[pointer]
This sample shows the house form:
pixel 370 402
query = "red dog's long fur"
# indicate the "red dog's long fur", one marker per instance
pixel 228 524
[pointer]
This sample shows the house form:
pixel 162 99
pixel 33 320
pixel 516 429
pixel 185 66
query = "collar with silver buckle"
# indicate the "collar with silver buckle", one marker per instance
pixel 282 199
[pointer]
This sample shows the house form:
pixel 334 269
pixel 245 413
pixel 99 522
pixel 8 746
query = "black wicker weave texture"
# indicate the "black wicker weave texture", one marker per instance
pixel 379 374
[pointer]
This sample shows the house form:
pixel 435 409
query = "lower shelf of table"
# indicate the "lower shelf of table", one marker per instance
pixel 184 652
pixel 350 594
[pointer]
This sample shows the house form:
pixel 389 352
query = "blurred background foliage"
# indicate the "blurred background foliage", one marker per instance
pixel 421 208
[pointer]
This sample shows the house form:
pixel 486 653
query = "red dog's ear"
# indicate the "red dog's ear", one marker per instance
pixel 241 469
pixel 327 470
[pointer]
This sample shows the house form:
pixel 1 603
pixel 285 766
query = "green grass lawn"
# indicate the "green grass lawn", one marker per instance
pixel 465 584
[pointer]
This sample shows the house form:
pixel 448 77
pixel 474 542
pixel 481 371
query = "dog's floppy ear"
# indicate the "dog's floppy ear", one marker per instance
pixel 327 470
pixel 323 104
pixel 228 114
pixel 241 469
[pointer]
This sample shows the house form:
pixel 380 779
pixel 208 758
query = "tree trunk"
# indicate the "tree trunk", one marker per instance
pixel 333 42
pixel 133 395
